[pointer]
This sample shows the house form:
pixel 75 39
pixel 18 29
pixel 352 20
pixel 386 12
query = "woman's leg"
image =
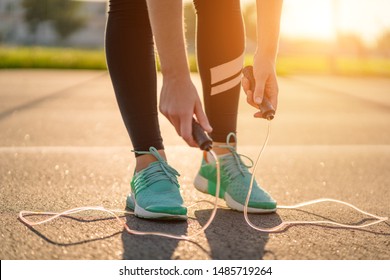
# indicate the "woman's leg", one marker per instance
pixel 131 63
pixel 220 53
pixel 220 49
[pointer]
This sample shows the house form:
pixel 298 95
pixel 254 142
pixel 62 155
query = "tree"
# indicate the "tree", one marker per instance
pixel 350 43
pixel 63 14
pixel 66 19
pixel 383 43
pixel 35 13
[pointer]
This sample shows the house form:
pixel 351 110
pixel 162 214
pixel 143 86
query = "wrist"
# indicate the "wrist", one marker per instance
pixel 269 54
pixel 176 74
pixel 265 60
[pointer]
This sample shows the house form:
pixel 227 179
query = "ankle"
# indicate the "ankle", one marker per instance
pixel 143 161
pixel 221 151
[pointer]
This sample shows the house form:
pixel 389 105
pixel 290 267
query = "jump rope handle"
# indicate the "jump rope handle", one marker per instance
pixel 204 141
pixel 266 108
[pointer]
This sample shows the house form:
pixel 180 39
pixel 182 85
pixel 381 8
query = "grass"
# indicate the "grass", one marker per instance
pixel 59 58
pixel 345 65
pixel 68 58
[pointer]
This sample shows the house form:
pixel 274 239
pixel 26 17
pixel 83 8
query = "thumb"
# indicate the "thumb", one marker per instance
pixel 258 94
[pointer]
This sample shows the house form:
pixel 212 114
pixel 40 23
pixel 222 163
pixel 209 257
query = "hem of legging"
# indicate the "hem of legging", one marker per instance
pixel 221 137
pixel 158 146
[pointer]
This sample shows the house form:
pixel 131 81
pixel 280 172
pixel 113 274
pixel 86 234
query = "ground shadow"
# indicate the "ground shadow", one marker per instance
pixel 135 246
pixel 231 238
pixel 72 241
pixel 360 222
pixel 149 247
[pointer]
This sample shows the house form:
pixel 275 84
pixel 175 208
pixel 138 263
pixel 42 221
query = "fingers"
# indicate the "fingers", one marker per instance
pixel 254 98
pixel 186 131
pixel 201 118
pixel 258 114
pixel 186 125
pixel 177 104
pixel 272 91
pixel 266 87
pixel 183 127
pixel 246 86
pixel 259 92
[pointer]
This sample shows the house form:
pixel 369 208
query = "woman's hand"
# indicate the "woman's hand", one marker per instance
pixel 179 101
pixel 266 83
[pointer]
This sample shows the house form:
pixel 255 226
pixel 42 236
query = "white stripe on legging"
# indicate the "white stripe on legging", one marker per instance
pixel 225 86
pixel 225 71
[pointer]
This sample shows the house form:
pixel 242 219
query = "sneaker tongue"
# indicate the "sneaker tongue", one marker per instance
pixel 143 170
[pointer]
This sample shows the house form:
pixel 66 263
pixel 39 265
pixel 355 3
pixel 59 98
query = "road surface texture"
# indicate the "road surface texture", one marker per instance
pixel 64 145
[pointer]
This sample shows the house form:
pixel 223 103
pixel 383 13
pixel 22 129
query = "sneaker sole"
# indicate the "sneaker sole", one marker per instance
pixel 144 214
pixel 201 184
pixel 239 207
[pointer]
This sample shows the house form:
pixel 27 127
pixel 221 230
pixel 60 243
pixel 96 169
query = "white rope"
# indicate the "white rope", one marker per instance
pixel 277 228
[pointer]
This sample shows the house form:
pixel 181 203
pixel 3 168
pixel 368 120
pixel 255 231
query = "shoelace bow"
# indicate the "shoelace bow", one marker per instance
pixel 158 172
pixel 231 163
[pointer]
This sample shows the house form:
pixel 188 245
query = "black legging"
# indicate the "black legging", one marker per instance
pixel 131 63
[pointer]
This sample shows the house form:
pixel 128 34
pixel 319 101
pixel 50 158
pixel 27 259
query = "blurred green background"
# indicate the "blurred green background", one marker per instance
pixel 317 36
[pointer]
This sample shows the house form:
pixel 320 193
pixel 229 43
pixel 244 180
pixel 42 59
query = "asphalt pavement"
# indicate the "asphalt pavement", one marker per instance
pixel 63 145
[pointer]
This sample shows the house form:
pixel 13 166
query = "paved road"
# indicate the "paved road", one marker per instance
pixel 63 145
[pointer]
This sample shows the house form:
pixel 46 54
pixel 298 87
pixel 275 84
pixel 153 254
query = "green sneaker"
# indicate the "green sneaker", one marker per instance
pixel 235 181
pixel 155 191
